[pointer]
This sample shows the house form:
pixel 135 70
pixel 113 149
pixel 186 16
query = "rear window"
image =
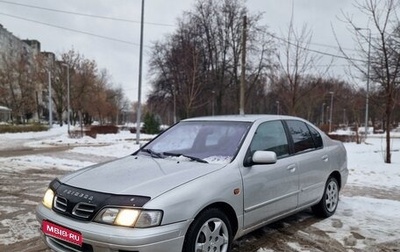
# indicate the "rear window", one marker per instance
pixel 301 135
pixel 316 137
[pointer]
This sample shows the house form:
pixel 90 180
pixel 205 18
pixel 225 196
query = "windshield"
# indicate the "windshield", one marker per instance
pixel 203 141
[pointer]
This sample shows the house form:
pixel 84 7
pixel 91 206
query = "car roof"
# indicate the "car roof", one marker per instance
pixel 242 118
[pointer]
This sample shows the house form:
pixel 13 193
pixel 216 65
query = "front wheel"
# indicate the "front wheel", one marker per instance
pixel 210 231
pixel 328 204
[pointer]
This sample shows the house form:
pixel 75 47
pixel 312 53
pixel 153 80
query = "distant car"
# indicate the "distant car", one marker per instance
pixel 196 187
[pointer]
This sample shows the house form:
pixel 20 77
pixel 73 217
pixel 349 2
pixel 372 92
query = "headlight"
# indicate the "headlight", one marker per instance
pixel 126 217
pixel 48 198
pixel 130 217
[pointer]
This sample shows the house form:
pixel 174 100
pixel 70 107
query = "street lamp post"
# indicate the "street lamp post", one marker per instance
pixel 212 102
pixel 327 117
pixel 50 103
pixel 322 113
pixel 330 112
pixel 174 105
pixel 139 109
pixel 277 108
pixel 68 99
pixel 368 73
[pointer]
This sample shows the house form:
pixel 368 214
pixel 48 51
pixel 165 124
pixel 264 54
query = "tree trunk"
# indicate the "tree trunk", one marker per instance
pixel 388 122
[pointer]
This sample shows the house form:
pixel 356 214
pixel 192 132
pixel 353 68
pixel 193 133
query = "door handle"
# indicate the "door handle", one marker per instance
pixel 325 158
pixel 291 168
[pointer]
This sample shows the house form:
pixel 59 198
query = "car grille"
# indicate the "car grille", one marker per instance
pixel 61 203
pixel 80 210
pixel 83 210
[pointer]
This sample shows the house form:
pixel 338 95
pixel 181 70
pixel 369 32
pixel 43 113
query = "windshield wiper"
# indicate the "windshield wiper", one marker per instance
pixel 184 155
pixel 153 153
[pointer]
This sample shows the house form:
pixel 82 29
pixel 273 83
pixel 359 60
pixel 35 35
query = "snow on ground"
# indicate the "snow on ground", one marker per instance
pixel 357 224
pixel 362 221
pixel 108 145
pixel 367 167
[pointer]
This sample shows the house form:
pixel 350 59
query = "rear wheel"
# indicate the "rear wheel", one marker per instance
pixel 210 231
pixel 328 204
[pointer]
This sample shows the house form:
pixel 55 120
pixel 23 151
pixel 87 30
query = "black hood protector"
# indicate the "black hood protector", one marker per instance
pixel 84 204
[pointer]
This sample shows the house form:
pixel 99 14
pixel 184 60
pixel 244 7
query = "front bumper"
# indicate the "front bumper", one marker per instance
pixel 107 238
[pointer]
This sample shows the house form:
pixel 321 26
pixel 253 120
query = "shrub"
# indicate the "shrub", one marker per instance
pixel 93 130
pixel 104 129
pixel 23 128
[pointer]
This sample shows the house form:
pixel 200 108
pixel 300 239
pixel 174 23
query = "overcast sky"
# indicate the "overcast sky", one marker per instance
pixel 118 51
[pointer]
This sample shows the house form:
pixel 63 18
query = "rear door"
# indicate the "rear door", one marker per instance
pixel 312 160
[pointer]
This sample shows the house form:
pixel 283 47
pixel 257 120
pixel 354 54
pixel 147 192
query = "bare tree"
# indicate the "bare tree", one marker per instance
pixel 91 94
pixel 59 85
pixel 17 84
pixel 104 102
pixel 297 63
pixel 84 81
pixel 381 47
pixel 197 68
pixel 178 66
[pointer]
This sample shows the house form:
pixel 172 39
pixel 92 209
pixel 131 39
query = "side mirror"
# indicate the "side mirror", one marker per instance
pixel 264 157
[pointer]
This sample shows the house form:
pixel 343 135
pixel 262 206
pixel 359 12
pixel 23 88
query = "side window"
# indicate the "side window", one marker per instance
pixel 317 137
pixel 271 136
pixel 301 136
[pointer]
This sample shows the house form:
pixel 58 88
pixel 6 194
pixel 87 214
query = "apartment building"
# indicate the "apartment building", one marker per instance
pixel 21 89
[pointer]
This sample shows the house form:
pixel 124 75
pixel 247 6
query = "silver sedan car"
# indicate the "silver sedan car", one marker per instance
pixel 196 187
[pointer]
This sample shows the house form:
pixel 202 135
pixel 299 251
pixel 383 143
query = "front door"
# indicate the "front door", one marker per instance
pixel 271 189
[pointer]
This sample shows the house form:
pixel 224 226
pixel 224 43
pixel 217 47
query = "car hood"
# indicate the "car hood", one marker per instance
pixel 138 175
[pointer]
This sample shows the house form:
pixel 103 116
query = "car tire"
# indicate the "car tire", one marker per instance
pixel 328 204
pixel 210 231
